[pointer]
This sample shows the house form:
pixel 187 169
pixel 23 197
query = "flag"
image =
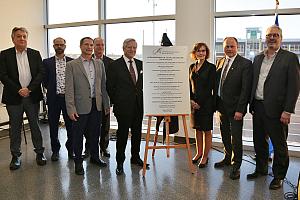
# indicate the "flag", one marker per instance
pixel 276 13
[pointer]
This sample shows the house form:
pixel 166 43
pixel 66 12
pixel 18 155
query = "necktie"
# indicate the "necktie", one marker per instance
pixel 224 74
pixel 132 73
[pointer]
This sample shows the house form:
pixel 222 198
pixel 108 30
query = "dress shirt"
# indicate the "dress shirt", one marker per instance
pixel 224 64
pixel 60 74
pixel 23 68
pixel 90 71
pixel 264 71
pixel 133 64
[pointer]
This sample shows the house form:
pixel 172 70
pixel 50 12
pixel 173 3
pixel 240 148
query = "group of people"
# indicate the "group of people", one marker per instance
pixel 83 90
pixel 270 85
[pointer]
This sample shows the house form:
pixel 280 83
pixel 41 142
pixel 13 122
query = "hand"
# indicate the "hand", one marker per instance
pixel 238 116
pixel 74 116
pixel 194 105
pixel 24 92
pixel 285 118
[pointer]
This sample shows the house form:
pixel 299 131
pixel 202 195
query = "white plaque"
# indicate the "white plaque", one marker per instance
pixel 166 80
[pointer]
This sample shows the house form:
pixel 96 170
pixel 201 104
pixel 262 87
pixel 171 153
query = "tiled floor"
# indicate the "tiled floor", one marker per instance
pixel 168 178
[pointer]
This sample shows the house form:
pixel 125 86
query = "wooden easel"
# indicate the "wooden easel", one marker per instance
pixel 167 146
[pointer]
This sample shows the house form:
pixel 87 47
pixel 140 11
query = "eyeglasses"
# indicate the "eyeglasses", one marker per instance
pixel 274 35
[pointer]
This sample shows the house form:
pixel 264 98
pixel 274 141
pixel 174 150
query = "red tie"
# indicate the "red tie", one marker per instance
pixel 132 73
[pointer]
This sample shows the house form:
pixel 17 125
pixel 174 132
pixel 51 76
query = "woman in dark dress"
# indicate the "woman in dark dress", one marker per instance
pixel 202 93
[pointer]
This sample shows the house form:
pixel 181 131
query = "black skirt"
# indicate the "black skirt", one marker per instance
pixel 201 122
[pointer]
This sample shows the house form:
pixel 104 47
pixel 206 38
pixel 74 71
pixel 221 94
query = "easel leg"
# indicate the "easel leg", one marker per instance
pixel 147 145
pixel 155 140
pixel 187 144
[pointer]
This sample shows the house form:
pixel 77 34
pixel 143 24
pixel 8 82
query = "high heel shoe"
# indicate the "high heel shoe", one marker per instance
pixel 194 161
pixel 203 165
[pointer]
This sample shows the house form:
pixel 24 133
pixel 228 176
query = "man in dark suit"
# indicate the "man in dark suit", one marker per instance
pixel 86 98
pixel 233 86
pixel 125 88
pixel 105 124
pixel 54 82
pixel 275 91
pixel 21 72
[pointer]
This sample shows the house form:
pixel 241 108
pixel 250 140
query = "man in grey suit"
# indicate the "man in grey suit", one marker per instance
pixel 233 86
pixel 275 90
pixel 85 94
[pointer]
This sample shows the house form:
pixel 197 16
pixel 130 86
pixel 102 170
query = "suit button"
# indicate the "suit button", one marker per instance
pixel 89 96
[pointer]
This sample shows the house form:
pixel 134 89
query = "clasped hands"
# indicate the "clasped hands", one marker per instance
pixel 24 92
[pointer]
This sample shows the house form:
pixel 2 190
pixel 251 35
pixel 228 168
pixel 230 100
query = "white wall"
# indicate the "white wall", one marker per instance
pixel 25 13
pixel 194 23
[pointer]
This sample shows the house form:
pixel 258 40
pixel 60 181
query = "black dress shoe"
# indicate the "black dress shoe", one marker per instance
pixel 222 163
pixel 256 174
pixel 79 169
pixel 234 173
pixel 203 165
pixel 105 153
pixel 119 170
pixel 275 184
pixel 194 161
pixel 41 159
pixel 55 156
pixel 15 163
pixel 138 162
pixel 98 162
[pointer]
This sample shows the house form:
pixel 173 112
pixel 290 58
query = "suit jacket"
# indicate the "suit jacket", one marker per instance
pixel 237 85
pixel 125 96
pixel 49 81
pixel 107 61
pixel 78 91
pixel 9 76
pixel 282 85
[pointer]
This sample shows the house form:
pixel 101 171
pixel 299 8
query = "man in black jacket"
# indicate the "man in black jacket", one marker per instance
pixel 21 72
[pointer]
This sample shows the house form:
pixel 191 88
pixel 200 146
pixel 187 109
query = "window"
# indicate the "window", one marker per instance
pixel 72 35
pixel 138 8
pixel 65 11
pixel 238 5
pixel 145 33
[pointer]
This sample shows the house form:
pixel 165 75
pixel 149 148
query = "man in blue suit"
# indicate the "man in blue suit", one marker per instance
pixel 54 82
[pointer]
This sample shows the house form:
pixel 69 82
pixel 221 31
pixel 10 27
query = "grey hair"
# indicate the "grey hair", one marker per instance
pixel 277 27
pixel 126 41
pixel 15 29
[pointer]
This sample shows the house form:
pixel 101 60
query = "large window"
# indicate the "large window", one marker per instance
pixel 138 8
pixel 72 36
pixel 65 11
pixel 239 5
pixel 145 33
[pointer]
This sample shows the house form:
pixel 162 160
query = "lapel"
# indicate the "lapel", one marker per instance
pixel 14 60
pixel 30 59
pixel 274 64
pixel 126 70
pixel 256 68
pixel 232 67
pixel 81 68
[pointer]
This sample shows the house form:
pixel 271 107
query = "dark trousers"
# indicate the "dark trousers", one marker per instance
pixel 54 110
pixel 15 113
pixel 231 132
pixel 105 125
pixel 134 122
pixel 264 126
pixel 92 121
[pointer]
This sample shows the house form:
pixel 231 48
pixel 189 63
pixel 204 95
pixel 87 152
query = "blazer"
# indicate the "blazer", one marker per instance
pixel 107 61
pixel 202 87
pixel 282 85
pixel 125 96
pixel 78 91
pixel 9 76
pixel 49 81
pixel 237 85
